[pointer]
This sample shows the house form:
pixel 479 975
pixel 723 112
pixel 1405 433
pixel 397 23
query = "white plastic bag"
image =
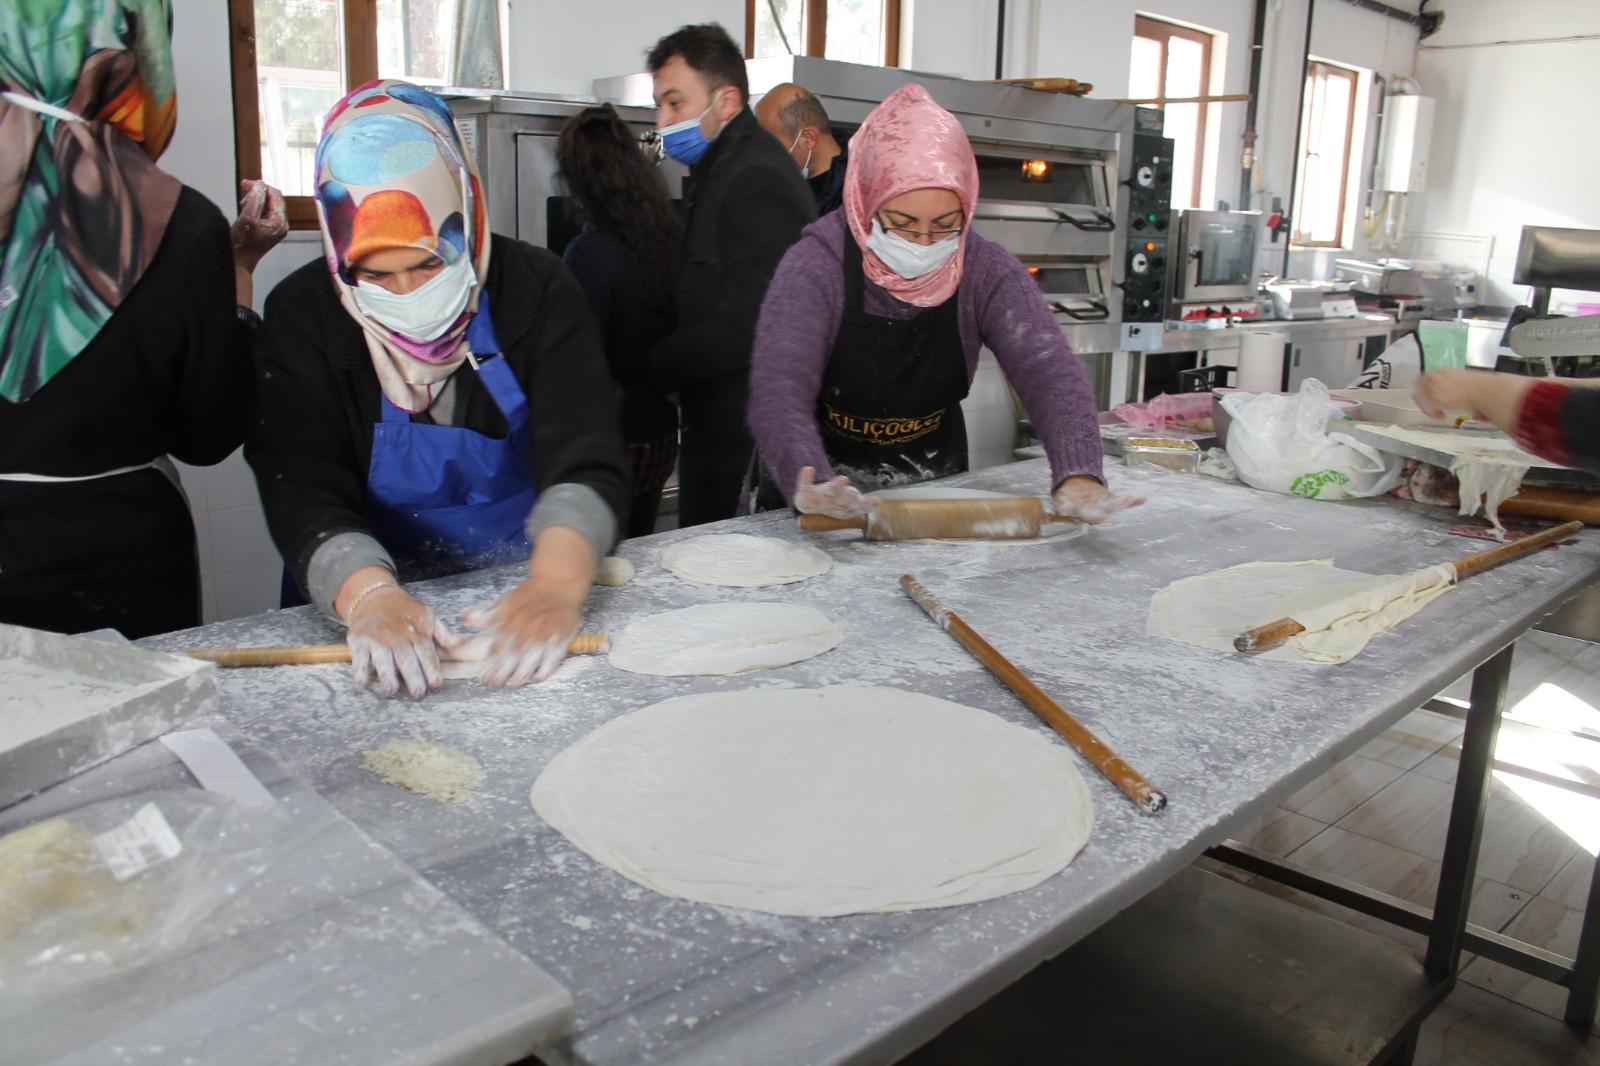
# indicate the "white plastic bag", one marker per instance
pixel 1282 444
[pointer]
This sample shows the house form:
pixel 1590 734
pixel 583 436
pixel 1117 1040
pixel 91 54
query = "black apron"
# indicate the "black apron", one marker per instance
pixel 889 408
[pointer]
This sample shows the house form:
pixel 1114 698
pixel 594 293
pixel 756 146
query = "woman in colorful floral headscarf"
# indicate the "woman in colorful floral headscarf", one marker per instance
pixel 431 399
pixel 119 343
pixel 871 329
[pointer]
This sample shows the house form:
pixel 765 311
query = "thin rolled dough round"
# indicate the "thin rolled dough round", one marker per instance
pixel 1341 609
pixel 1052 533
pixel 724 638
pixel 742 561
pixel 820 802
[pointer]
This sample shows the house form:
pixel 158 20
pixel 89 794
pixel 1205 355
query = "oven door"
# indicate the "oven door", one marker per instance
pixel 1218 255
pixel 1043 207
pixel 1078 290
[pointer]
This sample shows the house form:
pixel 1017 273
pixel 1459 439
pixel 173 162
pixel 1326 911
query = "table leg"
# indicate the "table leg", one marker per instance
pixel 1585 987
pixel 1466 814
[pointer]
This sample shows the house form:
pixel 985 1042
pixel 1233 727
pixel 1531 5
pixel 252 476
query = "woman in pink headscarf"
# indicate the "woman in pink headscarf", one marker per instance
pixel 870 333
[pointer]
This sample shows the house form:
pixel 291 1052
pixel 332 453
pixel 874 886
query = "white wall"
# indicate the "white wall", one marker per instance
pixel 1513 138
pixel 561 46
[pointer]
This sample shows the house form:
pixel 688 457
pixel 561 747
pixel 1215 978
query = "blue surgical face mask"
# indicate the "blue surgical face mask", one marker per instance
pixel 908 258
pixel 684 141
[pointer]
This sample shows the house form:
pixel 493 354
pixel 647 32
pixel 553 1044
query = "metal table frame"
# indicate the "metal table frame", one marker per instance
pixel 1445 924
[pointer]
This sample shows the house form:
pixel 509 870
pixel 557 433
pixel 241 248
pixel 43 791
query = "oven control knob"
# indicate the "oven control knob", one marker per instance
pixel 1145 176
pixel 1139 264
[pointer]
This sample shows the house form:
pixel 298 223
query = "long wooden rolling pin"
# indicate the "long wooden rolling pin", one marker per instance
pixel 1091 747
pixel 1001 518
pixel 308 654
pixel 1535 502
pixel 1274 633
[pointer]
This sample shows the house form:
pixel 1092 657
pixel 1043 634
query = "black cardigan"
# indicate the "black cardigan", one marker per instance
pixel 168 374
pixel 317 397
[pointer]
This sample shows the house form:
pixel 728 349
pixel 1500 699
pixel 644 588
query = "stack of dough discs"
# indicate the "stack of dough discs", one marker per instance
pixel 820 802
pixel 743 561
pixel 724 638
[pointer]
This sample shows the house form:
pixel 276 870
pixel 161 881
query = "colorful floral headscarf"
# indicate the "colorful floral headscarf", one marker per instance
pixel 87 103
pixel 909 142
pixel 392 172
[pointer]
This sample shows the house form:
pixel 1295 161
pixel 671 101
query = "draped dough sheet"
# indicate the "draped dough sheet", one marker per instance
pixel 820 802
pixel 1489 467
pixel 1341 610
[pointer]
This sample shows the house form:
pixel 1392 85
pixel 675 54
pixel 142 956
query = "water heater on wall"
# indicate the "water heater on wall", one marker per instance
pixel 1403 156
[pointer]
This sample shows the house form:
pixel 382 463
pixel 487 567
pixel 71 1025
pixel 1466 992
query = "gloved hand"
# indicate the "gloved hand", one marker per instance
pixel 261 224
pixel 836 499
pixel 395 638
pixel 531 628
pixel 1087 500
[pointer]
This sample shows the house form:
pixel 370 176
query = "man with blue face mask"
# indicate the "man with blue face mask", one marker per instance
pixel 746 203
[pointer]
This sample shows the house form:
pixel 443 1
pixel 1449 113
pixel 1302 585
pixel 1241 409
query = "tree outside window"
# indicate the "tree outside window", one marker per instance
pixel 854 31
pixel 1322 177
pixel 1172 62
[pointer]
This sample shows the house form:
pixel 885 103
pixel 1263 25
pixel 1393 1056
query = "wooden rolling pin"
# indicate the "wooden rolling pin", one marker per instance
pixel 1002 518
pixel 306 654
pixel 1091 747
pixel 1275 633
pixel 1532 502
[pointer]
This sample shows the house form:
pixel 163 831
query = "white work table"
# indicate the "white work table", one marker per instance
pixel 660 980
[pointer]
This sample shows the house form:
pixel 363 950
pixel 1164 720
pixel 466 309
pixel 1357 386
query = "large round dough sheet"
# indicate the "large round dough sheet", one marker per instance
pixel 820 802
pixel 724 638
pixel 743 561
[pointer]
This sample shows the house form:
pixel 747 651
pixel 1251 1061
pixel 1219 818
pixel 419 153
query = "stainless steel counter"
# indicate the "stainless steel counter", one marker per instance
pixel 659 980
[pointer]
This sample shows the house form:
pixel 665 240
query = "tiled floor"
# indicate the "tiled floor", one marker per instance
pixel 1378 819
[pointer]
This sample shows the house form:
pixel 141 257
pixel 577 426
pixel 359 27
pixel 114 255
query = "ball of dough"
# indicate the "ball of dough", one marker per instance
pixel 613 571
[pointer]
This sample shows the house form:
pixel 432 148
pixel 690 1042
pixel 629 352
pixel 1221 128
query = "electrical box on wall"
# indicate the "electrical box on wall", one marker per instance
pixel 1403 156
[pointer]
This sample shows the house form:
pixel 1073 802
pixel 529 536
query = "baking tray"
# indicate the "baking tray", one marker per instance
pixel 69 703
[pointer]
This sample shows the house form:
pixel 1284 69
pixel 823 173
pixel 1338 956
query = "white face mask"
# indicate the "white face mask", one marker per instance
pixel 425 312
pixel 908 258
pixel 805 168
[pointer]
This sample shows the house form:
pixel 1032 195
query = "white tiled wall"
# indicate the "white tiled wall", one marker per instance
pixel 239 568
pixel 991 418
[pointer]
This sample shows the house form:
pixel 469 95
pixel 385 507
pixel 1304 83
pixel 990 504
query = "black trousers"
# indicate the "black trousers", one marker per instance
pixel 713 452
pixel 111 553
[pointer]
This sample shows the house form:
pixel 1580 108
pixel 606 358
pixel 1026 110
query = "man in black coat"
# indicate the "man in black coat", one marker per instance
pixel 747 203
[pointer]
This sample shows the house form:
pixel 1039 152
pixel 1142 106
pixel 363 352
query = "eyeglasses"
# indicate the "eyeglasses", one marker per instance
pixel 934 236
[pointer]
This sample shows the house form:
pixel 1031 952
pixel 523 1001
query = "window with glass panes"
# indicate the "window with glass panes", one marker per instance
pixel 1322 181
pixel 292 59
pixel 854 31
pixel 1172 62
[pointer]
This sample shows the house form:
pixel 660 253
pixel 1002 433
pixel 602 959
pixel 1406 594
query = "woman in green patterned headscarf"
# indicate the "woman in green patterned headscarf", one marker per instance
pixel 119 343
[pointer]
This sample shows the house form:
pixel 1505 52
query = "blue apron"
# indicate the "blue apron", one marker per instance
pixel 443 499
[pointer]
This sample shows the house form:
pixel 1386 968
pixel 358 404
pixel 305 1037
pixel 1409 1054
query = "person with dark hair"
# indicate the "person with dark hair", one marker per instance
pixel 800 123
pixel 125 322
pixel 626 260
pixel 746 205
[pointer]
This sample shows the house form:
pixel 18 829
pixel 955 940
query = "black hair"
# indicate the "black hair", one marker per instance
pixel 621 194
pixel 709 51
pixel 802 110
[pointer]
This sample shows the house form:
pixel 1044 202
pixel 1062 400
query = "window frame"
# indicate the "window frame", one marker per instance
pixel 814 20
pixel 358 53
pixel 1161 31
pixel 1322 68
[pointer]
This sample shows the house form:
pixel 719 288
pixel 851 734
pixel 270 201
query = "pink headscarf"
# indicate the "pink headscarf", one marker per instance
pixel 909 142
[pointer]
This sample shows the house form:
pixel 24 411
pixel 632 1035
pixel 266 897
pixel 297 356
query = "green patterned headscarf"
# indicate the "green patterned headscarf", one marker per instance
pixel 82 205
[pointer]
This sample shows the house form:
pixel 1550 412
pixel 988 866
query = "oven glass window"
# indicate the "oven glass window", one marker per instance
pixel 1035 180
pixel 1227 254
pixel 1061 281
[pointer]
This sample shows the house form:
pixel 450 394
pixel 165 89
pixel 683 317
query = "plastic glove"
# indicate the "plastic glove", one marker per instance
pixel 1087 500
pixel 261 224
pixel 836 499
pixel 531 628
pixel 393 638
